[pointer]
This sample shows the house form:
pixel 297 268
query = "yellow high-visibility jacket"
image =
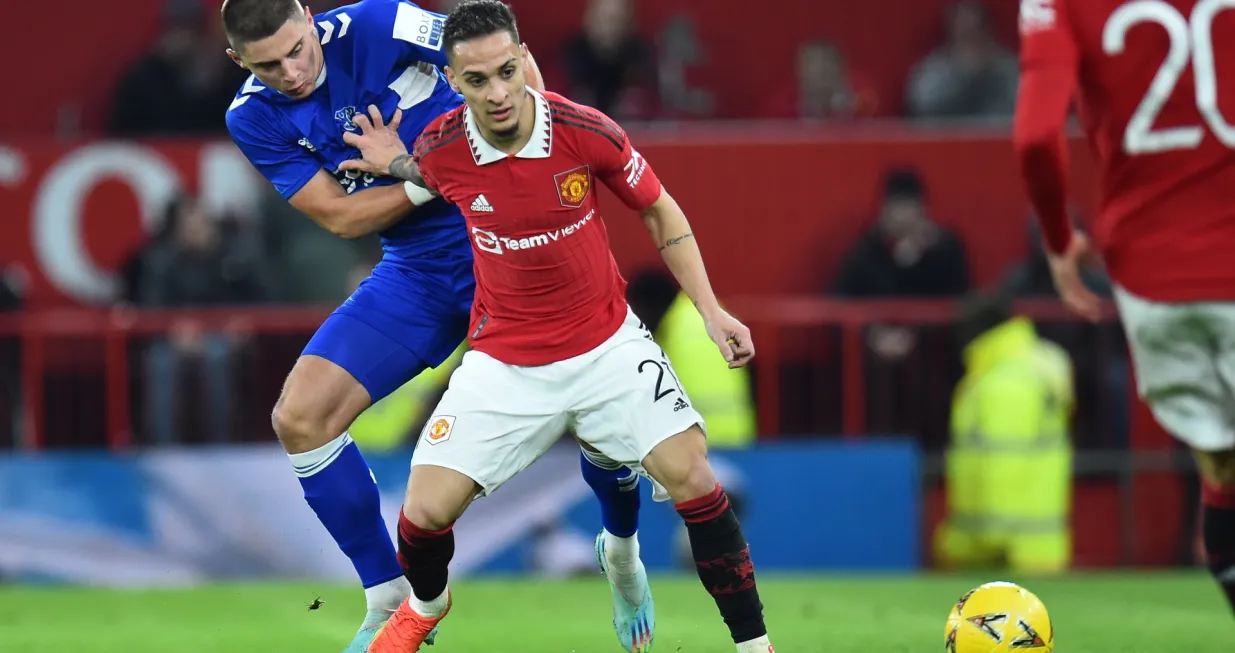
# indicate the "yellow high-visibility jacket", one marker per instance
pixel 721 395
pixel 1009 463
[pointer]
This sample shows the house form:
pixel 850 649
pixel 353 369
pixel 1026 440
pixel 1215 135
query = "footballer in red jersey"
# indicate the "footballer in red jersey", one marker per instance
pixel 1154 84
pixel 554 347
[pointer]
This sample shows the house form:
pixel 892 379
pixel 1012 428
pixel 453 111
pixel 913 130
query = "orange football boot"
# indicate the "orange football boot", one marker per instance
pixel 406 630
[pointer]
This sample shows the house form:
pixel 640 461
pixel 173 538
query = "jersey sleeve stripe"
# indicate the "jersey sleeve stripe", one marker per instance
pixel 585 112
pixel 447 130
pixel 565 120
pixel 598 119
pixel 428 139
pixel 424 148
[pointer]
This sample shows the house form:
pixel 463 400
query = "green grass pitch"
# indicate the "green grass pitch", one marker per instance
pixel 1093 613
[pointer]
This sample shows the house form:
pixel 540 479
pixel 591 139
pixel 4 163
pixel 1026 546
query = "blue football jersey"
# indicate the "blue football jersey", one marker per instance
pixel 382 52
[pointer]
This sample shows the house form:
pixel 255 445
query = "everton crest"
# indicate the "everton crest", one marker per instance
pixel 344 117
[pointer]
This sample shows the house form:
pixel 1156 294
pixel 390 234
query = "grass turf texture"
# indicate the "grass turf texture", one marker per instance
pixel 1093 613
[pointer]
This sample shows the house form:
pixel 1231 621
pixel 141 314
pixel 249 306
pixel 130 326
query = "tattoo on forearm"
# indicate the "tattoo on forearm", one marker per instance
pixel 404 167
pixel 674 241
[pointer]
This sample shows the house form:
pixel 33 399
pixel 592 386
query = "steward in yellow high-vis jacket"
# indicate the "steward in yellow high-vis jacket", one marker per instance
pixel 1009 462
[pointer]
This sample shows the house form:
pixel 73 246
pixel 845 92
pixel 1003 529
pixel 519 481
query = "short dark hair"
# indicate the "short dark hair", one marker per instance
pixel 963 6
pixel 476 18
pixel 246 21
pixel 903 183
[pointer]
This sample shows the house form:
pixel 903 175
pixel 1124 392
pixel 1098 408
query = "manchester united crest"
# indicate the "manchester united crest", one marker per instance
pixel 573 186
pixel 438 430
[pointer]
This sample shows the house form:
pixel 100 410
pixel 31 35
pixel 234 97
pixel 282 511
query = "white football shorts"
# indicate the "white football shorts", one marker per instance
pixel 495 419
pixel 1184 356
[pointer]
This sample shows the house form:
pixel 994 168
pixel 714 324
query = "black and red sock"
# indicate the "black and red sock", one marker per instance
pixel 1218 536
pixel 722 559
pixel 425 556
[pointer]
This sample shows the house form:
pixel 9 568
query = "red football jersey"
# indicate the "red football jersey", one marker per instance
pixel 547 287
pixel 1147 76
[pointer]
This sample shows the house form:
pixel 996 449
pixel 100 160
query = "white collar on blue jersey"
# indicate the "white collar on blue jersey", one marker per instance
pixel 538 147
pixel 321 77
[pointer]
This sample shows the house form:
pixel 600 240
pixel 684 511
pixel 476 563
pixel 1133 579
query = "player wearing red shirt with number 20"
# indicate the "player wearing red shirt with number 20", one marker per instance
pixel 554 347
pixel 1146 74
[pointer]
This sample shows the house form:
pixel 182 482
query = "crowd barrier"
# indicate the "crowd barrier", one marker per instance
pixel 792 333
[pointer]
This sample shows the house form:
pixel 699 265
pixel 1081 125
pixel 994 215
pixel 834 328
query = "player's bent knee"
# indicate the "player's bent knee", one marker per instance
pixel 680 463
pixel 295 429
pixel 697 481
pixel 429 515
pixel 319 402
pixel 437 496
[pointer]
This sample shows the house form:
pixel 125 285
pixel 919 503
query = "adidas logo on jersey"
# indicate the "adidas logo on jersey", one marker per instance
pixel 482 205
pixel 680 404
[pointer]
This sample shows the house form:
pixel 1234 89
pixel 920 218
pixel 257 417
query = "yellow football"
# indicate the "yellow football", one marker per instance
pixel 999 617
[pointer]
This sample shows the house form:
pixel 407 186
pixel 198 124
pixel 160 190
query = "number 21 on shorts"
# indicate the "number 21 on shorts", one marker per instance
pixel 1191 40
pixel 660 368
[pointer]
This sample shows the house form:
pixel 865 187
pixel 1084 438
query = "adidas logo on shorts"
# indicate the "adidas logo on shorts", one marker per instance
pixel 680 404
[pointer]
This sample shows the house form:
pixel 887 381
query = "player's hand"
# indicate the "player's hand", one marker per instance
pixel 732 338
pixel 379 143
pixel 1066 271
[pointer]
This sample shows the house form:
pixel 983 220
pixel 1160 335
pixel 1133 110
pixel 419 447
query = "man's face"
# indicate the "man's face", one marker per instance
pixel 288 61
pixel 903 217
pixel 606 22
pixel 179 42
pixel 488 71
pixel 968 26
pixel 196 230
pixel 819 67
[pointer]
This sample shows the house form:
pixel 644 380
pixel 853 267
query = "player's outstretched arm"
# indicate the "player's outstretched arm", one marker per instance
pixel 1050 64
pixel 351 216
pixel 671 231
pixel 298 176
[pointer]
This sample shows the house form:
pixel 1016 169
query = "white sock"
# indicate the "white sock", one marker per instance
pixel 388 595
pixel 308 463
pixel 622 559
pixel 757 645
pixel 431 608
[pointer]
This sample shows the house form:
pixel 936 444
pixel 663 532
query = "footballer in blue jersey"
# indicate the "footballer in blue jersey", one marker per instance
pixel 314 78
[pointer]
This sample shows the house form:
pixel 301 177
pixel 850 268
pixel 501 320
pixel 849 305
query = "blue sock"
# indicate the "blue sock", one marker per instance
pixel 340 488
pixel 617 490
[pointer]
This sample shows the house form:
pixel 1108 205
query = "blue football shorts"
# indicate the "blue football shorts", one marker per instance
pixel 407 316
